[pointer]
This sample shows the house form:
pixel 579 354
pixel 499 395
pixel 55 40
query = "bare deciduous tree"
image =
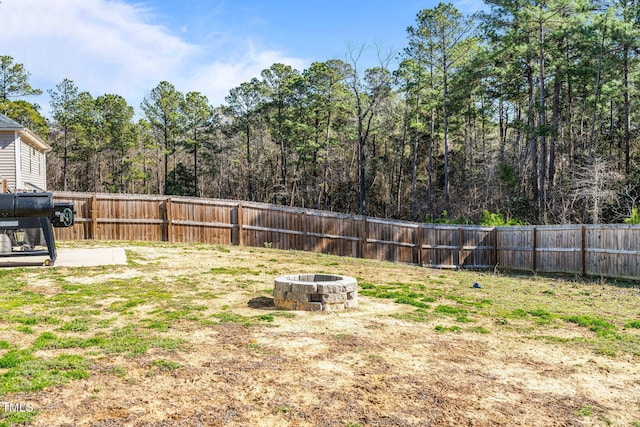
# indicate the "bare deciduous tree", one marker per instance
pixel 595 184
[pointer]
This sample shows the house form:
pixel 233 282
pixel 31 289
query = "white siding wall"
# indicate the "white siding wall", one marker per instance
pixel 8 158
pixel 33 167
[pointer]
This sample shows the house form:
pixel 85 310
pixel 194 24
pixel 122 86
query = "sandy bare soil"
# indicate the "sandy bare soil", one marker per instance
pixel 352 368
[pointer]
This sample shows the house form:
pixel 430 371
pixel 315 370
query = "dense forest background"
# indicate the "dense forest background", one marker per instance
pixel 529 112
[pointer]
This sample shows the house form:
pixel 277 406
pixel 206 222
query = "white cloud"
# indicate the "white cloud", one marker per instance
pixel 215 79
pixel 110 46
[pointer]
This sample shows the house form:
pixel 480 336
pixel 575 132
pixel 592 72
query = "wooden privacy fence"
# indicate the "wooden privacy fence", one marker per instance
pixel 592 250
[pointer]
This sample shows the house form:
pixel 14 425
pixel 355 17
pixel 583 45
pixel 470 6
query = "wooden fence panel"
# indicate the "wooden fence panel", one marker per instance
pixel 391 240
pixel 131 218
pixel 440 246
pixel 514 246
pixel 273 226
pixel 333 233
pixel 477 249
pixel 558 249
pixel 202 220
pixel 613 251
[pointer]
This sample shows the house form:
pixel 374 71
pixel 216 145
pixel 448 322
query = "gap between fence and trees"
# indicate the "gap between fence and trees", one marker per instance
pixel 611 251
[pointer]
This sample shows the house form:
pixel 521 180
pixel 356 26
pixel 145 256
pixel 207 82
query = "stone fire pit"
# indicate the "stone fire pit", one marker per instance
pixel 315 292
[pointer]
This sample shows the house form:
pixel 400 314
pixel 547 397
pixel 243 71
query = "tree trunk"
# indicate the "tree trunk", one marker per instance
pixel 430 171
pixel 414 162
pixel 503 131
pixel 627 113
pixel 555 124
pixel 361 160
pixel 533 140
pixel 249 165
pixel 543 132
pixel 195 164
pixel 283 159
pixel 395 196
pixel 65 160
pixel 445 113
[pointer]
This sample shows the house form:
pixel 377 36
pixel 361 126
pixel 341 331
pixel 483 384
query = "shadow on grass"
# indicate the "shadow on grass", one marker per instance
pixel 261 303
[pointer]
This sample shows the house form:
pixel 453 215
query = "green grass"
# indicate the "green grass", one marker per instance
pixel 594 324
pixel 411 301
pixel 25 329
pixel 167 364
pixel 133 341
pixel 584 411
pixel 253 346
pixel 230 317
pixel 635 324
pixel 28 373
pixel 284 314
pixel 25 417
pixel 77 325
pixel 226 317
pixel 447 309
pixel 440 328
pixel 233 271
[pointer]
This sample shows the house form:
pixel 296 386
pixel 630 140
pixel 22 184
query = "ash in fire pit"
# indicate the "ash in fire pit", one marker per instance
pixel 315 292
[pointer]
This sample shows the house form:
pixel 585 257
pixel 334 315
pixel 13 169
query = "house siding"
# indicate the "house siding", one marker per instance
pixel 7 158
pixel 33 167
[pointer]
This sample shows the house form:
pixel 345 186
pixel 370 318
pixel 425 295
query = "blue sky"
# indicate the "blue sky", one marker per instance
pixel 127 47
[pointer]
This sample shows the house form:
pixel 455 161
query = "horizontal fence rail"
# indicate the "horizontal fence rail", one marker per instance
pixel 611 251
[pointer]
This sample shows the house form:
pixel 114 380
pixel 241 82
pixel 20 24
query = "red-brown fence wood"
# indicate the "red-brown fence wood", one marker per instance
pixel 333 233
pixel 391 240
pixel 202 220
pixel 514 248
pixel 594 250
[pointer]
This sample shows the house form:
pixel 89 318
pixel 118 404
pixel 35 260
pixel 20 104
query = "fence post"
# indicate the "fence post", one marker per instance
pixel 460 247
pixel 167 211
pixel 240 223
pixel 364 234
pixel 533 248
pixel 418 243
pixel 304 231
pixel 94 216
pixel 494 251
pixel 583 243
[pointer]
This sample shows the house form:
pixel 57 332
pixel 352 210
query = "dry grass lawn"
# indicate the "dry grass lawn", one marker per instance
pixel 184 335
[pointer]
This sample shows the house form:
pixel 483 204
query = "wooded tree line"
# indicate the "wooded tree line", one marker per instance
pixel 530 110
